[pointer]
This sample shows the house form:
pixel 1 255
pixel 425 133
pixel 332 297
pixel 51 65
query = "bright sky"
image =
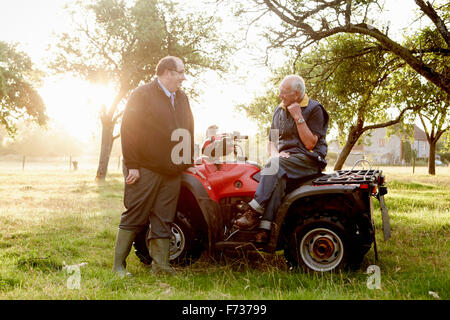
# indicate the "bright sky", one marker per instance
pixel 75 104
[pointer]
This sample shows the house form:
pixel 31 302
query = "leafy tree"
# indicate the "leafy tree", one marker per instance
pixel 443 147
pixel 18 97
pixel 406 151
pixel 305 22
pixel 438 123
pixel 121 42
pixel 351 76
pixel 434 114
pixel 433 104
pixel 444 143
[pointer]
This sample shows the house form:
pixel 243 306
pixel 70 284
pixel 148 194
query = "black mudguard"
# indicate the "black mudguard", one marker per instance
pixel 303 192
pixel 210 210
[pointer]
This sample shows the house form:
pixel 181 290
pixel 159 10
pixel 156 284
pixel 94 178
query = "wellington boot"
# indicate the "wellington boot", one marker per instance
pixel 159 251
pixel 124 241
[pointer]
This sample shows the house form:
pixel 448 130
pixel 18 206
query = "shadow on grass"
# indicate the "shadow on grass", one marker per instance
pixel 7 284
pixel 44 264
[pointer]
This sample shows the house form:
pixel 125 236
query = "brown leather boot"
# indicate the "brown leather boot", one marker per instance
pixel 248 220
pixel 262 236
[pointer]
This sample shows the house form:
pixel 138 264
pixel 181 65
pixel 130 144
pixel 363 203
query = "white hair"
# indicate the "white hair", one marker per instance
pixel 297 83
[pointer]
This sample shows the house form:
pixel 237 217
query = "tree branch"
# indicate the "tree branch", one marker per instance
pixel 291 21
pixel 424 126
pixel 433 75
pixel 419 66
pixel 392 122
pixel 117 116
pixel 348 12
pixel 428 9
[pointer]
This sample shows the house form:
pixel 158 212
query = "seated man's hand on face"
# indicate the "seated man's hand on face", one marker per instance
pixel 295 111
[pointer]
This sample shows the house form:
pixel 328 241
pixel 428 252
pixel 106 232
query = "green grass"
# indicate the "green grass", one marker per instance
pixel 50 219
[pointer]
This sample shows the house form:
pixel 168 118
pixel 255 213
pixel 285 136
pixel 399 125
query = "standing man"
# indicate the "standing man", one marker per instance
pixel 152 177
pixel 300 124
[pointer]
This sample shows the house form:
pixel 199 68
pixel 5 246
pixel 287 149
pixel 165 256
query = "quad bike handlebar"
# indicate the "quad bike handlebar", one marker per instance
pixel 223 144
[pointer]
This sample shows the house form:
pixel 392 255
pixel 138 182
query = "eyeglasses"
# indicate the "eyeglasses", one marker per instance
pixel 284 93
pixel 179 72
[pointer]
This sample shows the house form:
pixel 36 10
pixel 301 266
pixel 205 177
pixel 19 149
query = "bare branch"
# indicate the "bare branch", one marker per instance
pixel 348 12
pixel 291 21
pixel 117 116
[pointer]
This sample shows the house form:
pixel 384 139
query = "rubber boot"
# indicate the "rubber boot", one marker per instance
pixel 124 241
pixel 159 251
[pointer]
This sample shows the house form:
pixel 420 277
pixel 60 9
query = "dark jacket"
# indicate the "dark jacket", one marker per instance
pixel 147 126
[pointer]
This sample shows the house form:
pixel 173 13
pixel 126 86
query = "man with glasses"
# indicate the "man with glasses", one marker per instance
pixel 297 148
pixel 152 177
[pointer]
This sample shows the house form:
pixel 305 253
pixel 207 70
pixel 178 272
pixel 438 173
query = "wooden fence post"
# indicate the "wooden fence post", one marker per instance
pixel 257 148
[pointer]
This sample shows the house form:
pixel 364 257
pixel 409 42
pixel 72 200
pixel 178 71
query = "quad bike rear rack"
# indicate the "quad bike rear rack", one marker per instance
pixel 350 177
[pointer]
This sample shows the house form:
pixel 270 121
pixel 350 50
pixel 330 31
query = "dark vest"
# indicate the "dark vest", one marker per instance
pixel 316 118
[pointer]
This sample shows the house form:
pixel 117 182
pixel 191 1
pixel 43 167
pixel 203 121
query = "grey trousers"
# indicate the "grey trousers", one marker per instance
pixel 272 185
pixel 152 199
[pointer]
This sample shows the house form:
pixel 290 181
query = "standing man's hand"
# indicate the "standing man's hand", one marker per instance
pixel 133 176
pixel 194 170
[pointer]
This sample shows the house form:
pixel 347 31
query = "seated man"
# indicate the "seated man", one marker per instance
pixel 300 124
pixel 216 145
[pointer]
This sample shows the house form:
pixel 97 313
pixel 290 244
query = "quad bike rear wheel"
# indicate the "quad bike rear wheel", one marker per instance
pixel 318 244
pixel 185 246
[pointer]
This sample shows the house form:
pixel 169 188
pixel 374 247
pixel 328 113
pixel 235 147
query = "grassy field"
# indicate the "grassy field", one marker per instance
pixel 49 219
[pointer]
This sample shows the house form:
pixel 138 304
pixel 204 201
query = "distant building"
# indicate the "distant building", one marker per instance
pixel 380 149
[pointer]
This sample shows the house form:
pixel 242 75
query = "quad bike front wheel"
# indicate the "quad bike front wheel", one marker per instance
pixel 318 244
pixel 185 245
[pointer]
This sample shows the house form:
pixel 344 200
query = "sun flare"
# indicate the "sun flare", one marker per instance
pixel 75 104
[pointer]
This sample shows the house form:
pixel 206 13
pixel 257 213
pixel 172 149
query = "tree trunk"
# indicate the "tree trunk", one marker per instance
pixel 432 157
pixel 106 147
pixel 351 141
pixel 109 120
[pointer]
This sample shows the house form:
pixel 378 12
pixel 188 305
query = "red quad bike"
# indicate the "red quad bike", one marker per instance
pixel 324 223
